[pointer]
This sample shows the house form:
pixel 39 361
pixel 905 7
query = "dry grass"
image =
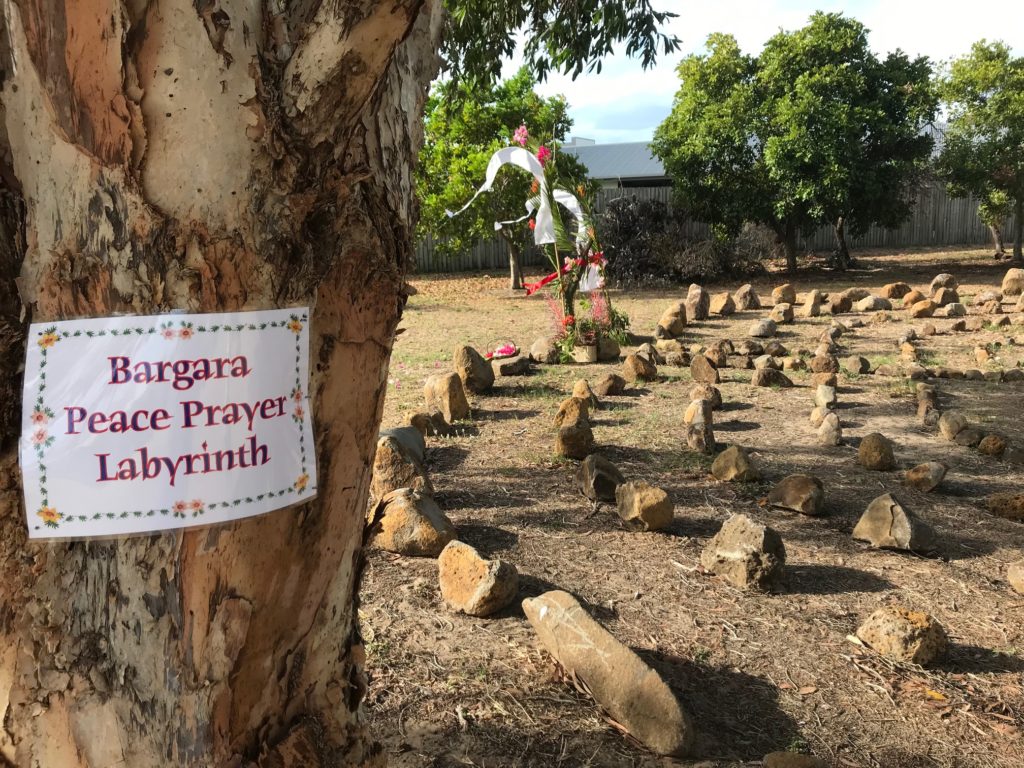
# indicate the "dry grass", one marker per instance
pixel 757 672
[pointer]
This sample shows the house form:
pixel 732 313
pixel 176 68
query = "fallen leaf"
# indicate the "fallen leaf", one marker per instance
pixel 786 686
pixel 807 690
pixel 934 695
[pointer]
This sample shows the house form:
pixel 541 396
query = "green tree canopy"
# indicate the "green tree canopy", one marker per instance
pixel 983 152
pixel 815 130
pixel 465 124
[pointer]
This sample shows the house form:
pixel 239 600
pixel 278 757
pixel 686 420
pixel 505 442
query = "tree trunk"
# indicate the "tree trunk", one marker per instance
pixel 207 156
pixel 788 237
pixel 842 251
pixel 515 271
pixel 1018 229
pixel 997 240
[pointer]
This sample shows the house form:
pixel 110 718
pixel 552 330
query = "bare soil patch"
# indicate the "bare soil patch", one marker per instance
pixel 757 672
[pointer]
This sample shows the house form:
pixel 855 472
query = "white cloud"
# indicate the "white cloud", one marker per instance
pixel 935 28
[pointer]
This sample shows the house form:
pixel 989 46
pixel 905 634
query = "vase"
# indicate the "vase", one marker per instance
pixel 585 354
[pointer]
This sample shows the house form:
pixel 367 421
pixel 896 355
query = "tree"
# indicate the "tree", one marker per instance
pixel 814 130
pixel 993 210
pixel 465 124
pixel 207 157
pixel 983 152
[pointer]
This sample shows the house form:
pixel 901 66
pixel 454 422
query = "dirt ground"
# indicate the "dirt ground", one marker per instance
pixel 757 672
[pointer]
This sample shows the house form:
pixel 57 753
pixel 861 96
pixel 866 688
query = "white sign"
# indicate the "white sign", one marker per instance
pixel 136 424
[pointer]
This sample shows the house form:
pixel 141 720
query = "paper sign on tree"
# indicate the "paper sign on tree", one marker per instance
pixel 136 424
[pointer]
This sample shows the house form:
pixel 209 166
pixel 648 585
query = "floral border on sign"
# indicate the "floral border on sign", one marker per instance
pixel 170 330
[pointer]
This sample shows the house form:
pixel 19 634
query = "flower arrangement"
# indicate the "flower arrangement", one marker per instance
pixel 507 349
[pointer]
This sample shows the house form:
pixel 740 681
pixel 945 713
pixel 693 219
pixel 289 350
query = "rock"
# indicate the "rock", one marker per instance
pixel 912 298
pixel 650 353
pixel 896 290
pixel 974 323
pixel 410 523
pixel 784 294
pixel 746 298
pixel 643 507
pixel 969 437
pixel 1013 374
pixel 607 349
pixel 475 372
pixel 991 308
pixel 707 392
pixel 597 478
pixel 904 635
pixel 955 309
pixel 750 347
pixel 886 524
pixel 825 396
pixel 857 364
pixel 722 304
pixel 1007 505
pixel 945 296
pixel 992 445
pixel 627 689
pixel 677 359
pixel 943 280
pixel 1015 576
pixel 411 439
pixel 545 350
pixel 763 329
pixel 791 760
pixel 775 349
pixel 951 424
pixel 698 303
pixel 446 394
pixel 610 385
pixel 812 304
pixel 572 410
pixel 873 304
pixel 575 441
pixel 840 305
pixel 511 366
pixel 716 356
pixel 924 308
pixel 875 452
pixel 830 432
pixel 824 364
pixel 925 477
pixel 818 414
pixel 1013 282
pixel 394 467
pixel 856 294
pixel 767 361
pixel 982 355
pixel 746 554
pixel 769 377
pixel 827 378
pixel 734 463
pixel 959 326
pixel 929 329
pixel 703 370
pixel 908 351
pixel 781 313
pixel 432 423
pixel 800 493
pixel 636 368
pixel 698 412
pixel 581 389
pixel 673 320
pixel 886 370
pixel 472 584
pixel 700 438
pixel 794 364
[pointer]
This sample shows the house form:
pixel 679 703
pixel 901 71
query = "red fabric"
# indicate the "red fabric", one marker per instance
pixel 532 288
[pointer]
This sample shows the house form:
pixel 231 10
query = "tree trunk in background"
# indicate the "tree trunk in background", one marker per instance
pixel 215 156
pixel 1018 229
pixel 997 240
pixel 787 234
pixel 842 251
pixel 514 269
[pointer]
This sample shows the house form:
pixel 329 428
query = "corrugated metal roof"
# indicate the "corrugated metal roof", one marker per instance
pixel 629 160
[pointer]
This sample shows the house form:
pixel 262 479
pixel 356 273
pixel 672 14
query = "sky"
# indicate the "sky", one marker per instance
pixel 626 103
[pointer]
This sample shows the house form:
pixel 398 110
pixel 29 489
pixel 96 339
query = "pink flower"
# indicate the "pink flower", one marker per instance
pixel 299 412
pixel 186 333
pixel 39 417
pixel 168 333
pixel 180 507
pixel 533 224
pixel 543 153
pixel 521 135
pixel 39 437
pixel 196 505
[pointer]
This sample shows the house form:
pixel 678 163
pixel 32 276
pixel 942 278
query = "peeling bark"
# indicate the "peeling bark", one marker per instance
pixel 213 155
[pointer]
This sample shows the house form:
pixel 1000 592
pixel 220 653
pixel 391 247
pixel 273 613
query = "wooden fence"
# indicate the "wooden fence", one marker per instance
pixel 938 220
